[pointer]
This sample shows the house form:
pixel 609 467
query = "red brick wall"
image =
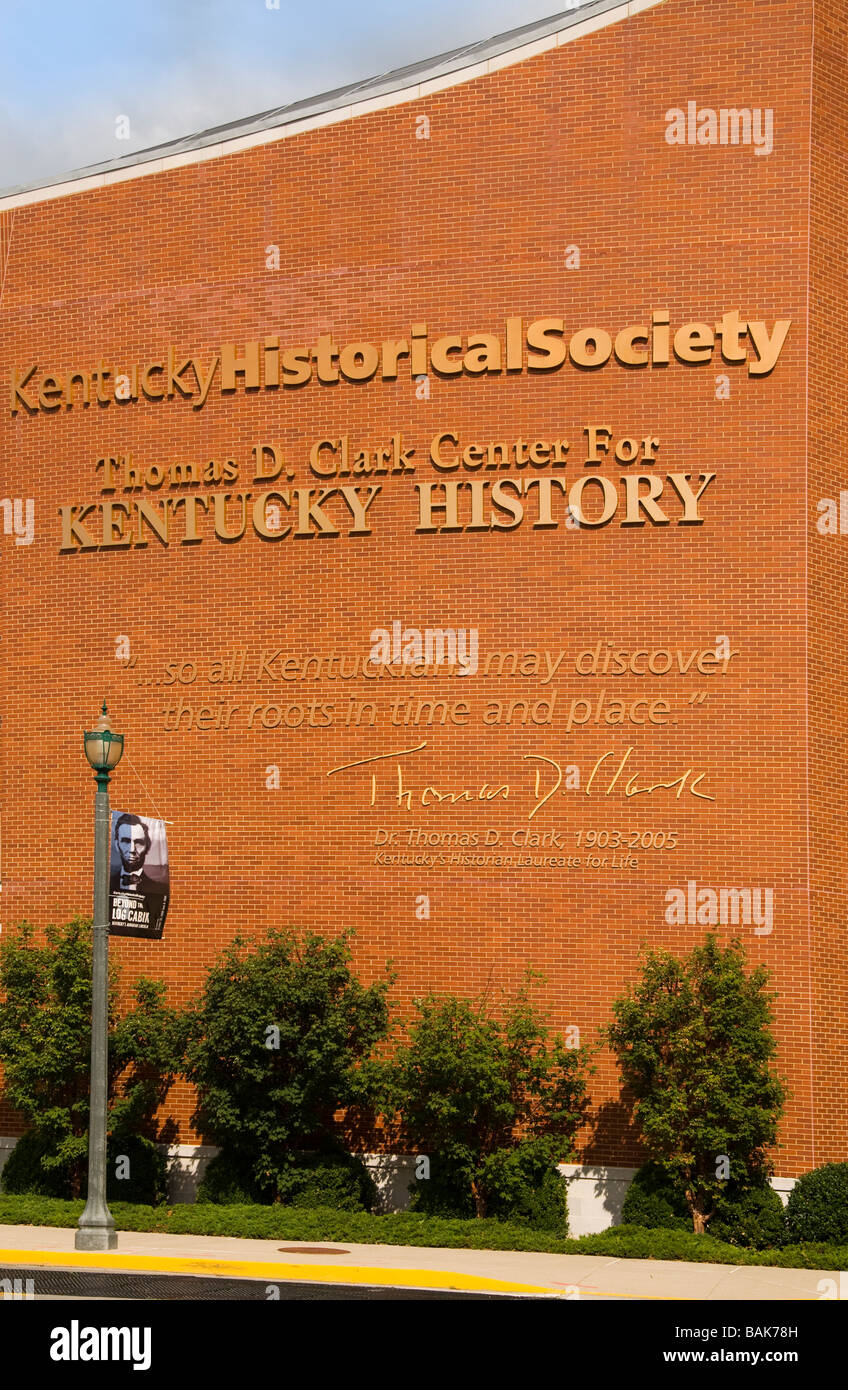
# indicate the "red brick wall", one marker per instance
pixel 828 600
pixel 377 230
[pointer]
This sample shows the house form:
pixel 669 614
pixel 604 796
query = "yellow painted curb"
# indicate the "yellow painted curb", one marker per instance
pixel 271 1272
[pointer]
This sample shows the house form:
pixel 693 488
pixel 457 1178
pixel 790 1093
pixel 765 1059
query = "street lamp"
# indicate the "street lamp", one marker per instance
pixel 103 748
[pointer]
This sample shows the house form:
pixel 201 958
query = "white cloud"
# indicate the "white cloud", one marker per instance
pixel 215 75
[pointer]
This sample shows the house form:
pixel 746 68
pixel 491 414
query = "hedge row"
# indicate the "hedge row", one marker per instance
pixel 411 1228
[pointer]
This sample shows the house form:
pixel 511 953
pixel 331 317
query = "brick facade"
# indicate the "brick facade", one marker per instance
pixel 378 230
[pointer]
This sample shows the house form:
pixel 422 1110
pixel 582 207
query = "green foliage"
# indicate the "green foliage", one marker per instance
pixel 45 1042
pixel 818 1206
pixel 522 1185
pixel 228 1181
pixel 445 1193
pixel 652 1200
pixel 694 1046
pixel 638 1243
pixel 146 1049
pixel 45 1049
pixel 295 1223
pixel 260 1102
pixel 750 1217
pixel 412 1229
pixel 495 1101
pixel 535 1198
pixel 641 1243
pixel 335 1180
pixel 25 1170
pixel 338 1180
pixel 146 1180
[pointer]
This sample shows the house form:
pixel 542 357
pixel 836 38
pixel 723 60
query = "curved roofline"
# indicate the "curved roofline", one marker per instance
pixel 344 103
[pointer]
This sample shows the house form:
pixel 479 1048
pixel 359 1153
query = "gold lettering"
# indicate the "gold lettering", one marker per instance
pixel 73 529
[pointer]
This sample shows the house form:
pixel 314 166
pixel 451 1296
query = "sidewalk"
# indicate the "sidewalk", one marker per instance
pixel 493 1271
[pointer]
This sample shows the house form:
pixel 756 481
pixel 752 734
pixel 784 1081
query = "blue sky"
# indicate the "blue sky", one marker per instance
pixel 70 68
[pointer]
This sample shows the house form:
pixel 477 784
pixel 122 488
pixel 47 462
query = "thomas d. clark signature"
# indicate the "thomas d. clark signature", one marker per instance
pixel 603 780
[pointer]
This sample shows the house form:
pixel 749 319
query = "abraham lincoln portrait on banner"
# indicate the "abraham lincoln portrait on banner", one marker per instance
pixel 139 877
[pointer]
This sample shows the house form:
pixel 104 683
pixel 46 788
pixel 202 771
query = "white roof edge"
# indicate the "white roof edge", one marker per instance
pixel 597 14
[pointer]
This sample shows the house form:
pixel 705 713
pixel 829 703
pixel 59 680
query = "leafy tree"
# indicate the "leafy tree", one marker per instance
pixel 279 1036
pixel 45 1050
pixel 494 1100
pixel 694 1045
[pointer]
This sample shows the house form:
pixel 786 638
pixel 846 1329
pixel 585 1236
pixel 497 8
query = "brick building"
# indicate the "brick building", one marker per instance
pixel 539 345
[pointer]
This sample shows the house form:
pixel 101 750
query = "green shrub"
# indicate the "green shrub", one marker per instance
pixel 279 1039
pixel 335 1180
pixel 818 1205
pixel 749 1217
pixel 541 1205
pixel 693 1040
pixel 142 1166
pixel 228 1181
pixel 752 1218
pixel 491 1098
pixel 524 1188
pixel 45 1047
pixel 411 1229
pixel 24 1169
pixel 652 1200
pixel 36 1165
pixel 445 1193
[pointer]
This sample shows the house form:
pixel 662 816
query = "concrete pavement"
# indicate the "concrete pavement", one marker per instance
pixel 493 1271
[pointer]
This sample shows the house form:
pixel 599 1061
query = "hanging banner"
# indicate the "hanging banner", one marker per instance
pixel 139 879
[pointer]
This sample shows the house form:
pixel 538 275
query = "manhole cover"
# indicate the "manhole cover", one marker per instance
pixel 312 1250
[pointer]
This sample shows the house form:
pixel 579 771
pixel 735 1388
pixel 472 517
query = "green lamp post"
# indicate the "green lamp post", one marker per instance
pixel 103 748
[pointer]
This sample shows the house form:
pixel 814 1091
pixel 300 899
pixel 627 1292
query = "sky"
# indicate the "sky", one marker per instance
pixel 70 70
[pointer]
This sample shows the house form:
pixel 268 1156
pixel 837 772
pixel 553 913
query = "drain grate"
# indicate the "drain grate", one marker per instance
pixel 73 1283
pixel 176 1288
